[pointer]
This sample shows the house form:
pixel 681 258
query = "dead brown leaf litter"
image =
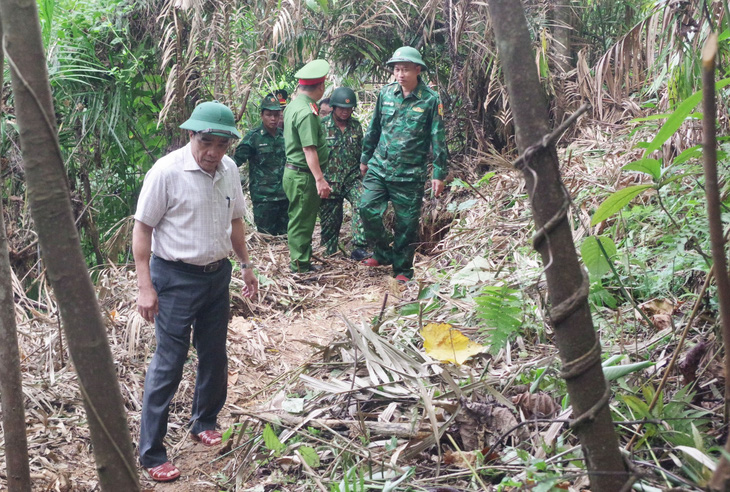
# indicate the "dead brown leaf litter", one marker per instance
pixel 333 361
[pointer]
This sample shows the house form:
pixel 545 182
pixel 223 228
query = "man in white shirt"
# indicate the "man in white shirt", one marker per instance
pixel 189 217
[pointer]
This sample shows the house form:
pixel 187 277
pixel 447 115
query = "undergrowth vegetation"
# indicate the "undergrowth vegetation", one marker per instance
pixel 375 409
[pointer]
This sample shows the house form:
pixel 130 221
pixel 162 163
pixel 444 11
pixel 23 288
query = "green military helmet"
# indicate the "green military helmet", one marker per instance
pixel 271 103
pixel 343 97
pixel 214 118
pixel 313 71
pixel 406 54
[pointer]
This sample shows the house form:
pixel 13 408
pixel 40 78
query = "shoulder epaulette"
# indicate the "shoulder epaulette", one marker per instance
pixel 315 110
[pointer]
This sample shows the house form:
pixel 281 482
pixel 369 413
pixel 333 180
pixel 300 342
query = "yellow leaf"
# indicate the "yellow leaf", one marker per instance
pixel 448 344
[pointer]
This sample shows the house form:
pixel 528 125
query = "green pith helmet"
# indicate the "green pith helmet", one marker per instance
pixel 406 54
pixel 271 103
pixel 343 97
pixel 214 118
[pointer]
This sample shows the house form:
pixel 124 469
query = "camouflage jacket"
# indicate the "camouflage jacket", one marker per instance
pixel 343 169
pixel 266 158
pixel 402 132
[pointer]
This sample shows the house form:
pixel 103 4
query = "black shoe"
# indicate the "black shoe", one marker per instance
pixel 360 254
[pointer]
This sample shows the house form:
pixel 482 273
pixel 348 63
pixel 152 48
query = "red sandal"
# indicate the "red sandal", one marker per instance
pixel 165 472
pixel 371 262
pixel 208 437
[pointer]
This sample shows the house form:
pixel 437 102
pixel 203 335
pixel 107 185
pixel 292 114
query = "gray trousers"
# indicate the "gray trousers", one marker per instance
pixel 188 301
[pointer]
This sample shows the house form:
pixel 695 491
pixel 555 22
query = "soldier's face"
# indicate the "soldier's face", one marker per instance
pixel 342 114
pixel 324 110
pixel 406 74
pixel 270 119
pixel 208 150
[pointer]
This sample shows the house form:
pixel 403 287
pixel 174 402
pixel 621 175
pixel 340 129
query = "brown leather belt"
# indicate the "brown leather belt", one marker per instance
pixel 299 169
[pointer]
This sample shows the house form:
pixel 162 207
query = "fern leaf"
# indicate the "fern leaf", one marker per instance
pixel 501 309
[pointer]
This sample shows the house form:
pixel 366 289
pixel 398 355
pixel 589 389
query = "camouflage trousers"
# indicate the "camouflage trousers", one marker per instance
pixel 406 198
pixel 271 217
pixel 331 214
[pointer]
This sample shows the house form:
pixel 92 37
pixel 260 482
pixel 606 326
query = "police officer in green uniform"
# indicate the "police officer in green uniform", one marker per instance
pixel 344 138
pixel 306 158
pixel 407 123
pixel 263 148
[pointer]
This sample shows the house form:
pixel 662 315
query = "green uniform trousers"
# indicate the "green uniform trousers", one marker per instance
pixel 271 217
pixel 406 197
pixel 330 219
pixel 301 190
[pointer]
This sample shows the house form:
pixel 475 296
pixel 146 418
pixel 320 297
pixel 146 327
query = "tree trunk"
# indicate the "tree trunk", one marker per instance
pixel 51 209
pixel 575 337
pixel 11 383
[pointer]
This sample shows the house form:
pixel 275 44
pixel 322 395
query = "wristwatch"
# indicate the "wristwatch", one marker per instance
pixel 246 265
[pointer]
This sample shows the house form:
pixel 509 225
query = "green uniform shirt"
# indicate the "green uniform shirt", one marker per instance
pixel 401 133
pixel 266 158
pixel 343 168
pixel 302 128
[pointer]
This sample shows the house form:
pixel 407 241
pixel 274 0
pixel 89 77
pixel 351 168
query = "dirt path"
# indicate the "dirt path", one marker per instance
pixel 263 349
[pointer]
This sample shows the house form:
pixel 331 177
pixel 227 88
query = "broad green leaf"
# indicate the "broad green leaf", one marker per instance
pixel 652 167
pixel 687 154
pixel 309 455
pixel 616 202
pixel 324 5
pixel 638 406
pixel 593 257
pixel 271 440
pixel 723 35
pixel 676 119
pixel 614 372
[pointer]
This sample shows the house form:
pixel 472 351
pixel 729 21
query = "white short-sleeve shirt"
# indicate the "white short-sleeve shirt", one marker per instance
pixel 189 210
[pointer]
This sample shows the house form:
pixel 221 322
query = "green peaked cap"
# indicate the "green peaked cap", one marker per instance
pixel 406 54
pixel 214 118
pixel 313 70
pixel 271 103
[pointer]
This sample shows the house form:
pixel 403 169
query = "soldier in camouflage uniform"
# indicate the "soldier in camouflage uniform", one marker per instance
pixel 407 123
pixel 344 139
pixel 263 148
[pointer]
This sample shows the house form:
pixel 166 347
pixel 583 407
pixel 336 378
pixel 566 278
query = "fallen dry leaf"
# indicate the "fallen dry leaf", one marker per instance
pixel 447 344
pixel 539 405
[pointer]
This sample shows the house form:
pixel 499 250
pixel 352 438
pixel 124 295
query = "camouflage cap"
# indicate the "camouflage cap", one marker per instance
pixel 271 103
pixel 406 54
pixel 313 72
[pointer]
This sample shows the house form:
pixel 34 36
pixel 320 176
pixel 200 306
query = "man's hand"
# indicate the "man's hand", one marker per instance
pixel 252 283
pixel 323 187
pixel 363 169
pixel 437 186
pixel 147 304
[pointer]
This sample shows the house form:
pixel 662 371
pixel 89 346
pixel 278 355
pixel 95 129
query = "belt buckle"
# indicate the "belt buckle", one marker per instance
pixel 211 267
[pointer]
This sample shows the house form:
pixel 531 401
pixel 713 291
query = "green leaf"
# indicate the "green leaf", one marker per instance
pixel 227 435
pixel 638 406
pixel 676 119
pixel 593 257
pixel 309 455
pixel 271 440
pixel 652 167
pixel 501 309
pixel 485 178
pixel 614 372
pixel 687 154
pixel 616 202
